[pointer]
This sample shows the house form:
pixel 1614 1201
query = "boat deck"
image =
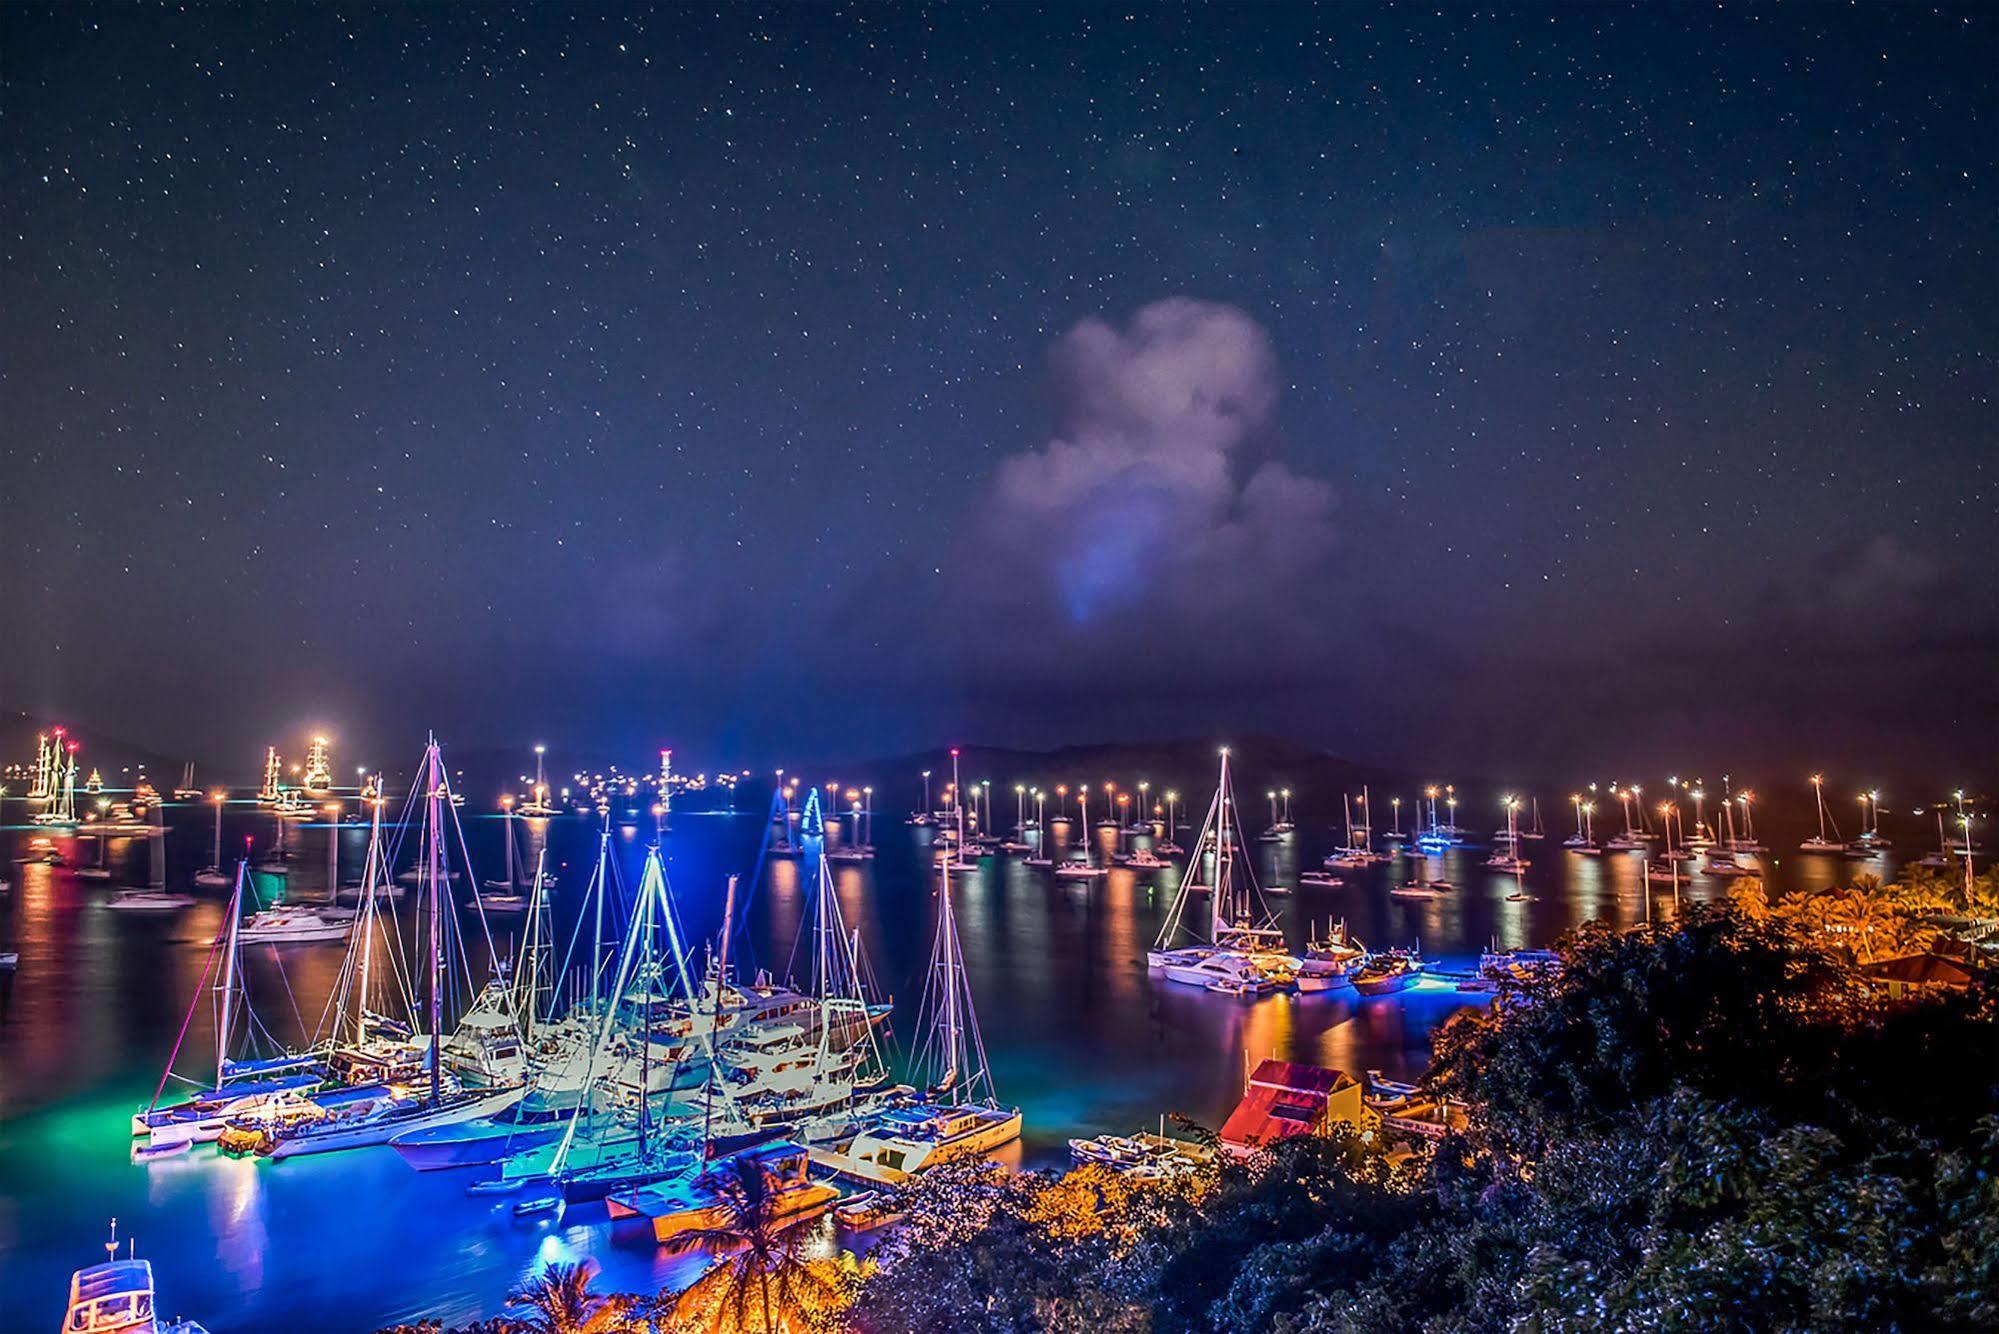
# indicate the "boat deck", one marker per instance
pixel 856 1169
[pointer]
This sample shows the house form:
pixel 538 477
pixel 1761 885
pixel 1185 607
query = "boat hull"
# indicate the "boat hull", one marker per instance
pixel 367 1133
pixel 793 1204
pixel 1385 985
pixel 474 1143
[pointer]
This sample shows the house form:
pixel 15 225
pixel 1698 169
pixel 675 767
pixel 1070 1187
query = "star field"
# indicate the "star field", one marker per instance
pixel 637 372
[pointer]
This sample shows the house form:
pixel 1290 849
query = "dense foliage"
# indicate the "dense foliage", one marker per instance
pixel 1710 1124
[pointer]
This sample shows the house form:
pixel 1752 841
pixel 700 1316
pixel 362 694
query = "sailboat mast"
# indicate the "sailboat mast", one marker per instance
pixel 1217 910
pixel 597 928
pixel 433 839
pixel 225 1017
pixel 509 825
pixel 370 888
pixel 715 1021
pixel 953 1025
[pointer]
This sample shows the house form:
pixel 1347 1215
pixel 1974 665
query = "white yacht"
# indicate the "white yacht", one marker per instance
pixel 291 924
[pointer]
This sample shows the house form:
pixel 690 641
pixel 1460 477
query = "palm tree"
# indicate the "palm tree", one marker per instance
pixel 559 1301
pixel 765 1282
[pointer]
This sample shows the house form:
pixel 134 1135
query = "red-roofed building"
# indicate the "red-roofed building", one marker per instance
pixel 1917 972
pixel 1286 1099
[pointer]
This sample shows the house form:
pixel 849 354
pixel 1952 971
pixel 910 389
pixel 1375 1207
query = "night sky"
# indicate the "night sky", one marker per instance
pixel 1503 392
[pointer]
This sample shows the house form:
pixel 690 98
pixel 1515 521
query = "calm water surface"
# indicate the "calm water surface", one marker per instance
pixel 1077 1032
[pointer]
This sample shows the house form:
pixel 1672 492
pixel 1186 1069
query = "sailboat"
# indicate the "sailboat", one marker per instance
pixel 1825 842
pixel 212 875
pixel 954 1111
pixel 1039 855
pixel 1510 859
pixel 187 791
pixel 608 1058
pixel 1630 840
pixel 504 896
pixel 54 786
pixel 238 1081
pixel 957 850
pixel 394 1076
pixel 1350 855
pixel 536 805
pixel 601 1067
pixel 1244 954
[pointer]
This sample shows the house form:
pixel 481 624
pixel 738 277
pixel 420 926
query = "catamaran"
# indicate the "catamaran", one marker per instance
pixel 954 1111
pixel 1244 953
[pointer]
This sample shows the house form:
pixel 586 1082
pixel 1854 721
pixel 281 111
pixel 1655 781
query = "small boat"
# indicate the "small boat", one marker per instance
pixel 1421 889
pixel 1140 1157
pixel 1224 972
pixel 294 924
pixel 116 1297
pixel 1384 974
pixel 1329 963
pixel 1076 871
pixel 147 901
pixel 1323 879
pixel 851 853
pixel 1108 1150
pixel 911 1137
pixel 695 1203
pixel 865 1210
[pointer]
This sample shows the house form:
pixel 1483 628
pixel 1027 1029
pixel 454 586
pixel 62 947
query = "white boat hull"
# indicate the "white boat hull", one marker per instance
pixel 371 1132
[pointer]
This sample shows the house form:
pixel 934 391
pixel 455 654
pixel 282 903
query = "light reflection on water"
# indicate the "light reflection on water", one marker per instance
pixel 1077 1032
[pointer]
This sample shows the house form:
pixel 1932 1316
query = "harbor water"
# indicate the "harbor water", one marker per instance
pixel 1078 1034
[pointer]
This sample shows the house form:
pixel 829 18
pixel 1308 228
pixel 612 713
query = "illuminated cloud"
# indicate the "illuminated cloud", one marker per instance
pixel 1155 509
